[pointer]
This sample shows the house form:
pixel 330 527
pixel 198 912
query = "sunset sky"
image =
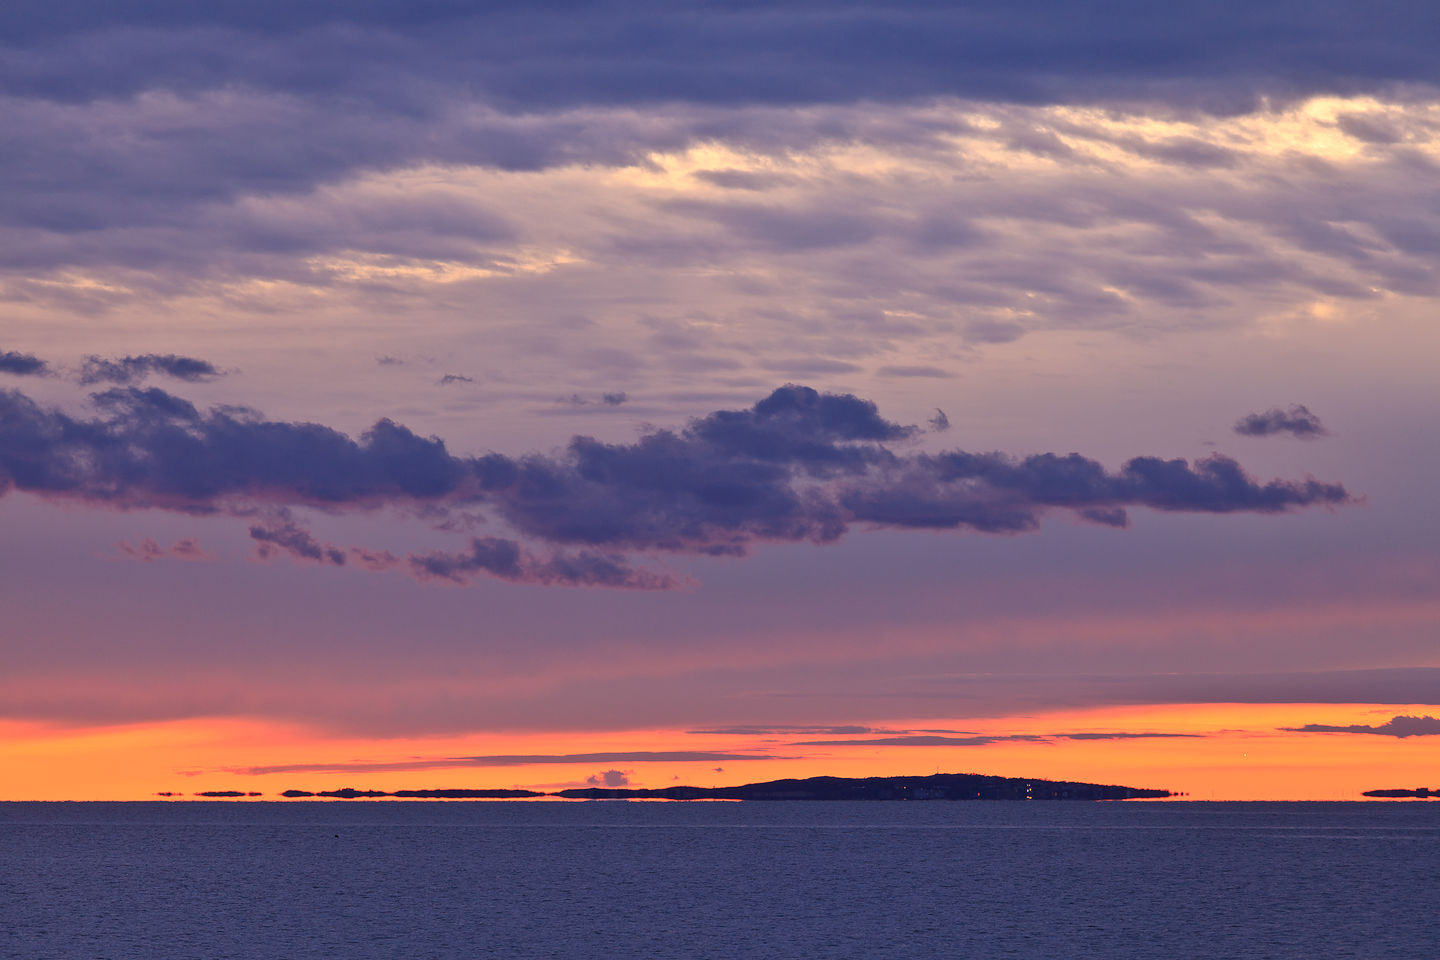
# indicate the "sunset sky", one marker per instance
pixel 469 394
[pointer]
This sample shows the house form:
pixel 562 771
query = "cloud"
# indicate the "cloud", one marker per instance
pixel 512 760
pixel 982 740
pixel 916 740
pixel 1297 421
pixel 610 778
pixel 797 466
pixel 1394 727
pixel 22 364
pixel 281 533
pixel 507 560
pixel 148 550
pixel 939 423
pixel 614 399
pixel 391 55
pixel 376 560
pixel 1399 685
pixel 750 730
pixel 397 201
pixel 450 378
pixel 914 371
pixel 188 549
pixel 128 370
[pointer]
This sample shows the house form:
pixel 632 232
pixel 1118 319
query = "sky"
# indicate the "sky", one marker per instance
pixel 470 395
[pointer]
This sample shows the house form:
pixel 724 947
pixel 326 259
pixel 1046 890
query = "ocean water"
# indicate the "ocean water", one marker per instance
pixel 352 879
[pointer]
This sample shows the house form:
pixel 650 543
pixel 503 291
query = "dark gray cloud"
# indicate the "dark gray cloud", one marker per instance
pixel 22 364
pixel 1297 422
pixel 450 378
pixel 610 778
pixel 545 55
pixel 799 465
pixel 1394 727
pixel 128 370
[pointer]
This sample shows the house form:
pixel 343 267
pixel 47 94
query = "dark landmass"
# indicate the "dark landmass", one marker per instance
pixel 350 793
pixel 1417 792
pixel 940 786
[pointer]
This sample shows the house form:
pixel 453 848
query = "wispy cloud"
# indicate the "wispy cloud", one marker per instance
pixel 1400 727
pixel 511 760
pixel 149 550
pixel 130 370
pixel 984 740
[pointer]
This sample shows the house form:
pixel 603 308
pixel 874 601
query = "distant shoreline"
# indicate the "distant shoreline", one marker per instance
pixel 939 786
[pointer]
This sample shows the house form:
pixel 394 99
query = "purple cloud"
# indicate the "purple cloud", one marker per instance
pixel 129 370
pixel 799 465
pixel 507 560
pixel 22 364
pixel 281 533
pixel 1297 422
pixel 148 550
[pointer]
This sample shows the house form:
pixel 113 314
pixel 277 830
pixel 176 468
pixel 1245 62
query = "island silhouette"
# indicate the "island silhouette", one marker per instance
pixel 939 786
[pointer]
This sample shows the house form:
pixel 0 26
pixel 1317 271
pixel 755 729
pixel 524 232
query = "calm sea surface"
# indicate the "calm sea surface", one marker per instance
pixel 1320 881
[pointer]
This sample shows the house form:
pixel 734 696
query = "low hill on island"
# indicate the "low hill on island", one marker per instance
pixel 940 786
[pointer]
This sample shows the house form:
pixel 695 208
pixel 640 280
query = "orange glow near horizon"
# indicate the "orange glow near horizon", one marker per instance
pixel 1238 753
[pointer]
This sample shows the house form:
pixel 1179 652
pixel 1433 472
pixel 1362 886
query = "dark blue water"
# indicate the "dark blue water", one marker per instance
pixel 104 881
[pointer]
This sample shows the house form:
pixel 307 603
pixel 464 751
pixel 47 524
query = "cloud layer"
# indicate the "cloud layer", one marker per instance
pixel 799 465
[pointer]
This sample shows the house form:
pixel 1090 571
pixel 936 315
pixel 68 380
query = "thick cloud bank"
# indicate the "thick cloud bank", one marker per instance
pixel 542 55
pixel 797 466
